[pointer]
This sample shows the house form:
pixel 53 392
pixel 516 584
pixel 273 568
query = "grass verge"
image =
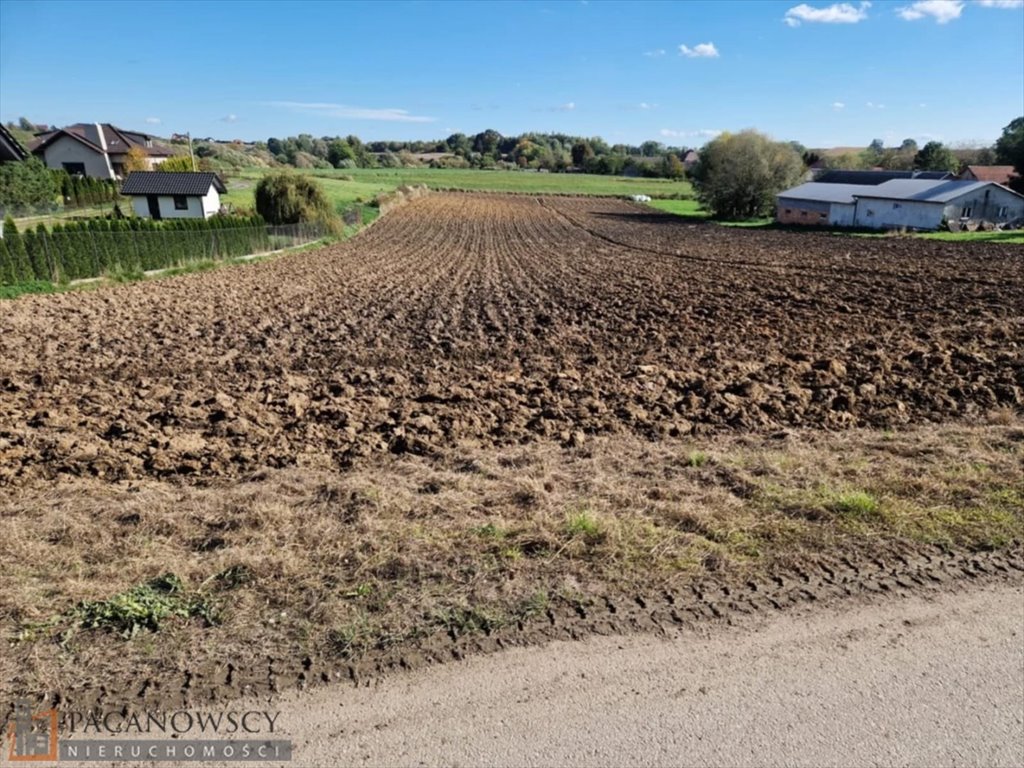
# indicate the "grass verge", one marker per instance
pixel 318 564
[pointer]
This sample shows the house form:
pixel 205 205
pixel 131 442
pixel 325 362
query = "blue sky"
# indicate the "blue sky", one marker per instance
pixel 823 74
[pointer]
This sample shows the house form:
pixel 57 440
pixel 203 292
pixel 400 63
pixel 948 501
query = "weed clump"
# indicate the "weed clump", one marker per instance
pixel 855 504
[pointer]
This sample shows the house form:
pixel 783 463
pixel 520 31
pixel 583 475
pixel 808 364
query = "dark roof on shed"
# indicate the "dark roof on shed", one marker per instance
pixel 877 177
pixel 166 183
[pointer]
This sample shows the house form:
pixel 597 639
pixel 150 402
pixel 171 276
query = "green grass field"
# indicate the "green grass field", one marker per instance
pixel 347 186
pixel 690 209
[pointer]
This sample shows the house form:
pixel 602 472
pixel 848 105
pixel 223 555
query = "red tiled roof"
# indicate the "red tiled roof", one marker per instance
pixel 1000 174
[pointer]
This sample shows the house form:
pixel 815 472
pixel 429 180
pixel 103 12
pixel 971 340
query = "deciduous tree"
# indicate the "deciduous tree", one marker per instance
pixel 739 174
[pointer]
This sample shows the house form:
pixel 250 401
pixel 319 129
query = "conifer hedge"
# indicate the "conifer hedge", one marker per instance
pixel 76 250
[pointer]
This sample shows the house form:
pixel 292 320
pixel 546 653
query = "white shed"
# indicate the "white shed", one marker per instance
pixel 179 195
pixel 918 204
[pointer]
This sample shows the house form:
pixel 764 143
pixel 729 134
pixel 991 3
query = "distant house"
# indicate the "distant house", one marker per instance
pixel 1000 174
pixel 690 159
pixel 898 203
pixel 160 195
pixel 11 150
pixel 98 150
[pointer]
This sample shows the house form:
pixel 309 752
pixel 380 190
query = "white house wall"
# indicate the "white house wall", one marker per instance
pixel 211 203
pixel 68 150
pixel 141 207
pixel 198 208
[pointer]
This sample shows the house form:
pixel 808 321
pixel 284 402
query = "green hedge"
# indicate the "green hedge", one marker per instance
pixel 99 246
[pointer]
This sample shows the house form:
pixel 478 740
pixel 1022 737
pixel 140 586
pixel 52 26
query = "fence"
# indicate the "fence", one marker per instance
pixel 71 255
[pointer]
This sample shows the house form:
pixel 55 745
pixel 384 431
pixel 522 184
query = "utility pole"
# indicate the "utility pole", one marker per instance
pixel 190 152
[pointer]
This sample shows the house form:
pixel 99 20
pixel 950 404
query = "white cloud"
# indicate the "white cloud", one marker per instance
pixel 872 105
pixel 655 53
pixel 153 120
pixel 229 119
pixel 699 51
pixel 837 105
pixel 645 105
pixel 839 13
pixel 943 11
pixel 1001 3
pixel 705 133
pixel 344 111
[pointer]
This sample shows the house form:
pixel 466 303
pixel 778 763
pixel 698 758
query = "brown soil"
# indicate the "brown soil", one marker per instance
pixel 505 319
pixel 498 419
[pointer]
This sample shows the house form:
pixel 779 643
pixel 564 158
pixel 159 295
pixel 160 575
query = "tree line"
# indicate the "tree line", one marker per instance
pixel 555 152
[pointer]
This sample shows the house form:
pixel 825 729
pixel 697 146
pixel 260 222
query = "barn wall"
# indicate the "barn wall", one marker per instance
pixel 876 213
pixel 808 212
pixel 986 204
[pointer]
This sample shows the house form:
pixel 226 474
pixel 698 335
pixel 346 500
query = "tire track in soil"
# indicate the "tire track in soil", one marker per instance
pixel 828 581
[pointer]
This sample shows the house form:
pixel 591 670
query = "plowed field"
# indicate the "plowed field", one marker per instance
pixel 502 320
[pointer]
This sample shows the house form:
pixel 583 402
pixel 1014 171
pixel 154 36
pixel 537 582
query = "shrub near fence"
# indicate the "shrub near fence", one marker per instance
pixel 90 249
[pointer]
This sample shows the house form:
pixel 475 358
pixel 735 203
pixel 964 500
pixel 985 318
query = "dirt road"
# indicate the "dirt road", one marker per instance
pixel 926 681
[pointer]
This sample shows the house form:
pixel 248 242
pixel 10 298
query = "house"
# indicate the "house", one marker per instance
pixel 690 159
pixel 184 195
pixel 98 150
pixel 1000 174
pixel 11 150
pixel 898 203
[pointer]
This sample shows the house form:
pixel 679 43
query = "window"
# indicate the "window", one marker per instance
pixel 965 212
pixel 75 169
pixel 180 203
pixel 1002 212
pixel 789 210
pixel 896 205
pixel 118 169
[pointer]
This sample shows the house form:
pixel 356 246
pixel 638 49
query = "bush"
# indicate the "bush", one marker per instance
pixel 290 198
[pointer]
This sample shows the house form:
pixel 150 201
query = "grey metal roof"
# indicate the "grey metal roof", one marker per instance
pixel 166 183
pixel 923 190
pixel 827 193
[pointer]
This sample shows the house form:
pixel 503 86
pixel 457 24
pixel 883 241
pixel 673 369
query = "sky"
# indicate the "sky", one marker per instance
pixel 818 73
